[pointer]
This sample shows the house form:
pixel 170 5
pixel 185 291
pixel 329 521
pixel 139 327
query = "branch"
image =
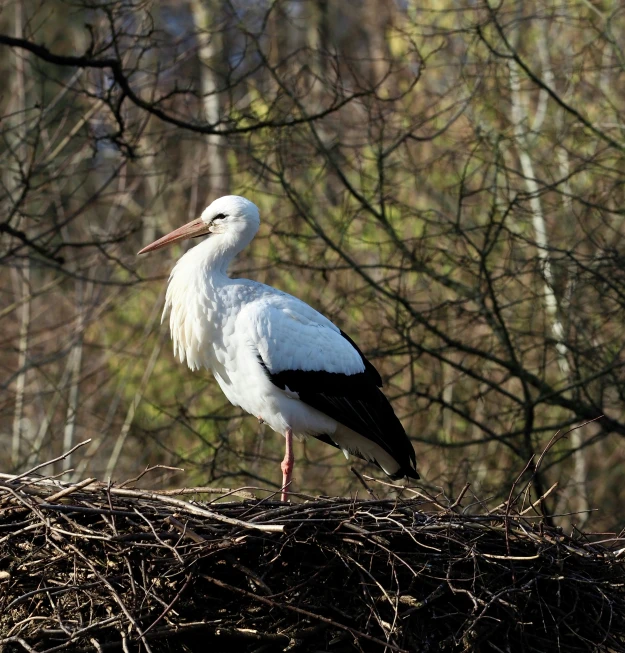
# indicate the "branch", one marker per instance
pixel 115 66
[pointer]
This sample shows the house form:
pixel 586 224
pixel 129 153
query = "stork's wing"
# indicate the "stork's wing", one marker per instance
pixel 303 352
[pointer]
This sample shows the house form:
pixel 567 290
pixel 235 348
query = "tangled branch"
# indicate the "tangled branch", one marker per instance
pixel 89 566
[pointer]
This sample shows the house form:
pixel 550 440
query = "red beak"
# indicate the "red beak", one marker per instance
pixel 190 230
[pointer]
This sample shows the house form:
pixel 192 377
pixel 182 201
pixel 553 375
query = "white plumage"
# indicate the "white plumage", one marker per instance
pixel 272 354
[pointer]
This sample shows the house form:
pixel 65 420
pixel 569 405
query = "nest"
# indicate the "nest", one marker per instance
pixel 90 567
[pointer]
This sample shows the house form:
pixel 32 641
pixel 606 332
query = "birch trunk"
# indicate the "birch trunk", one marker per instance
pixel 209 50
pixel 18 134
pixel 520 117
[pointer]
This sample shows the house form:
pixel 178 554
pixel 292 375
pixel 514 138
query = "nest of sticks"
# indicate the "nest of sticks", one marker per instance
pixel 94 567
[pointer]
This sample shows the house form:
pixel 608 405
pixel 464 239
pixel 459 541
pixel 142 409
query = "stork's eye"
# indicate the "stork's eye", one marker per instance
pixel 220 217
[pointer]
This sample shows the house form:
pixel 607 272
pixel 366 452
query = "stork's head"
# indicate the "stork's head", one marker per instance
pixel 230 218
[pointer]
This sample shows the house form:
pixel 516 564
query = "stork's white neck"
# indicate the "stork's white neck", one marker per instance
pixel 192 294
pixel 213 255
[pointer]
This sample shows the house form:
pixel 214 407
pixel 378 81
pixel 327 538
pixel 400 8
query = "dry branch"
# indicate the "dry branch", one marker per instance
pixel 90 567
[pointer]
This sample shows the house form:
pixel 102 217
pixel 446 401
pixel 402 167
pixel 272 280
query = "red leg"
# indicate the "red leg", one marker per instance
pixel 287 464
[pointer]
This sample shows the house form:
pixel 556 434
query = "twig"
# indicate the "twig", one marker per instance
pixel 170 605
pixel 18 640
pixel 222 491
pixel 195 510
pixel 416 493
pixel 50 462
pixel 358 475
pixel 184 531
pixel 96 644
pixel 147 470
pixel 460 496
pixel 540 499
pixel 69 490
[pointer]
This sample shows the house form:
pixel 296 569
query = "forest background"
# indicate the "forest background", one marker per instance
pixel 444 180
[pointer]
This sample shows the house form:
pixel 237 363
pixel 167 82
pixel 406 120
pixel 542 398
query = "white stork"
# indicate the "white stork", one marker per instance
pixel 272 354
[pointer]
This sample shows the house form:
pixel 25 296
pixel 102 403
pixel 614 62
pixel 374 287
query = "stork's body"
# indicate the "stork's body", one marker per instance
pixel 272 354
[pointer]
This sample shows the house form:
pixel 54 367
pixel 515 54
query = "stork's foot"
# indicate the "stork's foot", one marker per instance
pixel 287 464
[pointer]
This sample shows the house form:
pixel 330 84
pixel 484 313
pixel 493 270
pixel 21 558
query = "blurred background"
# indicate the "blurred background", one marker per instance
pixel 444 180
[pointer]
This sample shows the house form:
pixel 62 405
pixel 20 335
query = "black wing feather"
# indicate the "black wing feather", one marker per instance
pixel 369 368
pixel 356 401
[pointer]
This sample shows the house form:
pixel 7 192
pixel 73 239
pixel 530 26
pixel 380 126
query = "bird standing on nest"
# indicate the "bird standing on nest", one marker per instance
pixel 272 354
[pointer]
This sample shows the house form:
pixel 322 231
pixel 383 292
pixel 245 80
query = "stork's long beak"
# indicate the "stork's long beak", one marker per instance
pixel 190 230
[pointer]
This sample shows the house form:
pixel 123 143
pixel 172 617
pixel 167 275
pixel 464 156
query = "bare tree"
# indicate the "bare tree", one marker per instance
pixel 444 182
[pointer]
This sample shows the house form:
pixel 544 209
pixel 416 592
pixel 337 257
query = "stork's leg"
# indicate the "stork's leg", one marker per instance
pixel 287 464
